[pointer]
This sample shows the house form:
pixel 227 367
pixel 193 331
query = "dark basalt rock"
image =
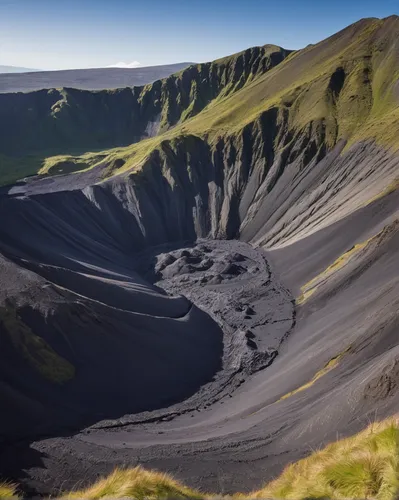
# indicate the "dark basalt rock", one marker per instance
pixel 251 344
pixel 164 261
pixel 249 334
pixel 216 280
pixel 232 269
pixel 249 311
pixel 384 385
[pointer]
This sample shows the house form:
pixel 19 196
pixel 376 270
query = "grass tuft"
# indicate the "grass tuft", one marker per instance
pixel 136 483
pixel 8 490
pixel 362 466
pixel 365 465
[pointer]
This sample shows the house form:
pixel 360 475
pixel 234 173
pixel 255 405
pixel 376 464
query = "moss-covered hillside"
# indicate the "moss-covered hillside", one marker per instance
pixel 48 122
pixel 38 354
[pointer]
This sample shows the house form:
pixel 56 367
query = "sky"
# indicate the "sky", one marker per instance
pixel 64 34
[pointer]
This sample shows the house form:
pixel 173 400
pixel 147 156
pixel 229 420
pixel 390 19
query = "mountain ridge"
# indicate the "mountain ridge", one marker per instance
pixel 15 69
pixel 162 105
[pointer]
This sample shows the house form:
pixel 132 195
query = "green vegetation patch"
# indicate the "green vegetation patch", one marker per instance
pixel 34 349
pixel 333 363
pixel 15 168
pixel 66 164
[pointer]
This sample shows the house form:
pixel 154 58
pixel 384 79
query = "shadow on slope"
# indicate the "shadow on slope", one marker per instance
pixel 71 289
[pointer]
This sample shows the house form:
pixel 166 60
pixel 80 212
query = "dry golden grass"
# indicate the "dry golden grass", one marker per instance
pixel 136 483
pixel 362 466
pixel 327 368
pixel 391 188
pixel 312 286
pixel 8 490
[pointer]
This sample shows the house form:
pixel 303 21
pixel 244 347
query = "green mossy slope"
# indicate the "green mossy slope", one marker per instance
pixel 36 351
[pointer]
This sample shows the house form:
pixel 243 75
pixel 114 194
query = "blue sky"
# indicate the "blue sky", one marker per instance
pixel 58 34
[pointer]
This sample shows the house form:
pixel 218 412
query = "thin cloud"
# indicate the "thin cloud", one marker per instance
pixel 133 64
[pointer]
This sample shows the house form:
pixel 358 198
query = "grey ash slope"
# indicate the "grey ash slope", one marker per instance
pixel 94 310
pixel 314 220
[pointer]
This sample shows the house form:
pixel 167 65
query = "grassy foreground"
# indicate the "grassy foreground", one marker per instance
pixel 365 465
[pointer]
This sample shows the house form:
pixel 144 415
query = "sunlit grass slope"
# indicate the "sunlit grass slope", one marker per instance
pixel 363 466
pixel 348 81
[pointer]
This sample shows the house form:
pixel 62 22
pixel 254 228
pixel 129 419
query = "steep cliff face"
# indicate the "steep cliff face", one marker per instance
pixel 184 96
pixel 194 189
pixel 252 186
pixel 344 88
